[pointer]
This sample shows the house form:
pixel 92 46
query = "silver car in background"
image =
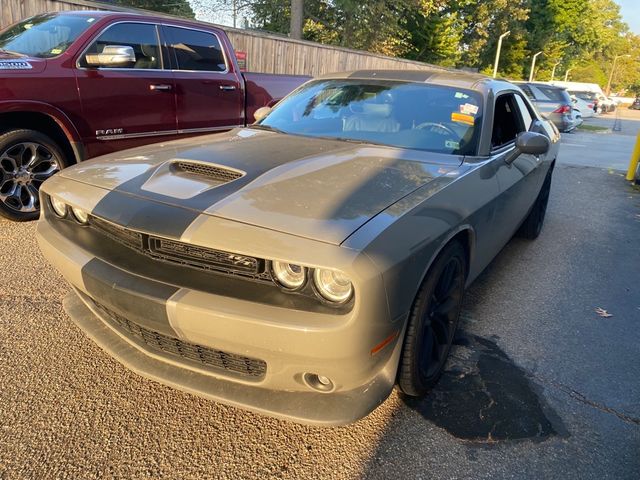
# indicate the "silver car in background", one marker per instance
pixel 552 102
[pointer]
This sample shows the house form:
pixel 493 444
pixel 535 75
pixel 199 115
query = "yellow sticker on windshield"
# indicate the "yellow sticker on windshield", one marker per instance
pixel 462 118
pixel 56 51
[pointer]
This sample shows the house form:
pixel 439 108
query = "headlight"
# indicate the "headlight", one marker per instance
pixel 81 215
pixel 289 275
pixel 333 286
pixel 59 207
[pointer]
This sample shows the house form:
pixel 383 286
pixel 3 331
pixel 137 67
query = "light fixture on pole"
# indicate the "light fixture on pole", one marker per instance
pixel 533 65
pixel 613 67
pixel 495 64
pixel 566 73
pixel 553 71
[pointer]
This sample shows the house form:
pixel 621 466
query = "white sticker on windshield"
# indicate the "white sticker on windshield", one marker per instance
pixel 461 95
pixel 452 145
pixel 468 109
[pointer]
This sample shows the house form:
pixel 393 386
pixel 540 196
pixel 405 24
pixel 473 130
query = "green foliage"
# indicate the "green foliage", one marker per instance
pixel 173 7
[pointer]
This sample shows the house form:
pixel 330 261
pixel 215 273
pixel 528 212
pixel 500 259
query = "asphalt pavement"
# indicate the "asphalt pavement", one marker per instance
pixel 538 386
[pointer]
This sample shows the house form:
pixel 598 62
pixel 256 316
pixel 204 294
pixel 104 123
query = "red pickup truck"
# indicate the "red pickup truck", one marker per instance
pixel 75 85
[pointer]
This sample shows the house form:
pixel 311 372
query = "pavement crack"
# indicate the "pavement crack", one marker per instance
pixel 583 399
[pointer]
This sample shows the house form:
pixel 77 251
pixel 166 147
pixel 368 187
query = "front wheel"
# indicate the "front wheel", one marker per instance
pixel 433 322
pixel 27 159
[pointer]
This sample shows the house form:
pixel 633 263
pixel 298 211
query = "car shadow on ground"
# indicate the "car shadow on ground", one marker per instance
pixel 483 396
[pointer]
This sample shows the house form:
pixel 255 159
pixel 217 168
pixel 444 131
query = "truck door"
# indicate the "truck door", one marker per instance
pixel 209 93
pixel 131 103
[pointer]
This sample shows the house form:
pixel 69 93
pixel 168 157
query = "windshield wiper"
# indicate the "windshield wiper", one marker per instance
pixel 2 50
pixel 268 128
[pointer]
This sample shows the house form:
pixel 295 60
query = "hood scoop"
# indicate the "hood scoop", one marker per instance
pixel 185 179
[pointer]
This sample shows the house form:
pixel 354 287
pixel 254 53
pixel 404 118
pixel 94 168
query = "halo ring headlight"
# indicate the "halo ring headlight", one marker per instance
pixel 59 207
pixel 332 285
pixel 289 275
pixel 82 216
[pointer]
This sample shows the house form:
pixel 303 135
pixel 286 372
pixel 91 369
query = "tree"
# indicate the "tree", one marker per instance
pixel 297 19
pixel 180 8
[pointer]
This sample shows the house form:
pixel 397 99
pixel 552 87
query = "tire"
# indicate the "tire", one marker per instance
pixel 532 225
pixel 27 158
pixel 433 322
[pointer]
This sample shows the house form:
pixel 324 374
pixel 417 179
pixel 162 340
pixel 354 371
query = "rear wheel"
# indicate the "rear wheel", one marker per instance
pixel 532 225
pixel 433 322
pixel 27 159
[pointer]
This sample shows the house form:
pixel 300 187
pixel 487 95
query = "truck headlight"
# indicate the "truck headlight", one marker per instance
pixel 333 286
pixel 289 275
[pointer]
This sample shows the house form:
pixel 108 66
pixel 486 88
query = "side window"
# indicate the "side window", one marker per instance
pixel 527 91
pixel 527 119
pixel 507 122
pixel 142 37
pixel 196 50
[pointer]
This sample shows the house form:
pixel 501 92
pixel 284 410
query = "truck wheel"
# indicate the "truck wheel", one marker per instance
pixel 433 322
pixel 27 158
pixel 532 226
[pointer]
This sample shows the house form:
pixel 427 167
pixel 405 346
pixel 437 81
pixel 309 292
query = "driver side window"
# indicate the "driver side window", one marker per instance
pixel 142 37
pixel 507 121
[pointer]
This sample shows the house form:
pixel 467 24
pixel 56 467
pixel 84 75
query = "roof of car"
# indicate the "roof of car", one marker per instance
pixel 437 76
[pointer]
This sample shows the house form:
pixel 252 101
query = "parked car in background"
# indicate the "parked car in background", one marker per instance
pixel 585 108
pixel 302 266
pixel 636 104
pixel 75 85
pixel 552 102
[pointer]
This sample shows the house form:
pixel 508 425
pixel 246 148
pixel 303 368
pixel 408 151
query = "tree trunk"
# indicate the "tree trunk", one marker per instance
pixel 297 17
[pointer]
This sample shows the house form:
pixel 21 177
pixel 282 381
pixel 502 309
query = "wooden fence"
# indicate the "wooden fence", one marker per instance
pixel 266 53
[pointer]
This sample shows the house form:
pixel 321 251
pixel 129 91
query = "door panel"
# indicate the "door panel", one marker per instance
pixel 209 94
pixel 134 101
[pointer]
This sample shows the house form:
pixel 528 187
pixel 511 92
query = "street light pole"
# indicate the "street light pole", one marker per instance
pixel 495 65
pixel 553 72
pixel 613 67
pixel 533 65
pixel 566 74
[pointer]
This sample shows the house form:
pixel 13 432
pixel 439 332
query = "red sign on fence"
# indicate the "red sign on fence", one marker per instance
pixel 242 60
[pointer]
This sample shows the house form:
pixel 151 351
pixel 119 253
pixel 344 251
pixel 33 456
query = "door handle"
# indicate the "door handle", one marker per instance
pixel 161 87
pixel 227 88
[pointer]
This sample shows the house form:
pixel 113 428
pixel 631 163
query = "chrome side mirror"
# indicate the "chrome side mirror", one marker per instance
pixel 262 112
pixel 529 143
pixel 112 56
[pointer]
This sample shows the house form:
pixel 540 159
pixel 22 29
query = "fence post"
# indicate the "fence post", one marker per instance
pixel 635 156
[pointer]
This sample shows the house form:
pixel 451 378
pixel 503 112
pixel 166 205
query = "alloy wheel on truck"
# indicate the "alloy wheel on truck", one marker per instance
pixel 27 159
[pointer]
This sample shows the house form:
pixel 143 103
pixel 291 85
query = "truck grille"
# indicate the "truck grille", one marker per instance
pixel 229 363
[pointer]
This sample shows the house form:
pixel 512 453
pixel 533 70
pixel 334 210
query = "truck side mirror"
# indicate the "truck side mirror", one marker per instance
pixel 260 113
pixel 530 143
pixel 112 56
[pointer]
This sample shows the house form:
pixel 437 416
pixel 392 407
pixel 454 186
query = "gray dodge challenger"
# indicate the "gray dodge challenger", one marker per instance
pixel 305 265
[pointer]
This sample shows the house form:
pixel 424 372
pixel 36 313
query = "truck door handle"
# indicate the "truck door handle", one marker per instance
pixel 227 88
pixel 160 87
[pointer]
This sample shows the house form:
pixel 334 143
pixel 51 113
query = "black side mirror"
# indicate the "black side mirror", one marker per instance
pixel 529 143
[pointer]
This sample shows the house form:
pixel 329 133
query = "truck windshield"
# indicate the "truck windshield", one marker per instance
pixel 44 36
pixel 401 114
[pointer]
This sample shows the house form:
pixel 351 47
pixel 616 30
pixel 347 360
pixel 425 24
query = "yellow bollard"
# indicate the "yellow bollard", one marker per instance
pixel 635 156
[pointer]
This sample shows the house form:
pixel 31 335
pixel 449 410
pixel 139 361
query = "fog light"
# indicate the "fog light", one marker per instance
pixel 59 207
pixel 318 382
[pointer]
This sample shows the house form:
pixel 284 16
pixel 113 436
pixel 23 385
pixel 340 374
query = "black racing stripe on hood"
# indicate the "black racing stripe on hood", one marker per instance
pixel 138 299
pixel 144 215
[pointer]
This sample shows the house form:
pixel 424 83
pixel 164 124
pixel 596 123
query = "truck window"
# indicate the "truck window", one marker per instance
pixel 142 37
pixel 196 50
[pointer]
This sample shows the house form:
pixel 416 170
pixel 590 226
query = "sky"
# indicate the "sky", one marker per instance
pixel 630 10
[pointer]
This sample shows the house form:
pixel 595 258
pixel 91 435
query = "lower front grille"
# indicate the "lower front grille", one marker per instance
pixel 229 363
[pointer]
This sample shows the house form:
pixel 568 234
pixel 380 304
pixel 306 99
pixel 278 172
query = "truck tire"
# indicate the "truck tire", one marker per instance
pixel 27 158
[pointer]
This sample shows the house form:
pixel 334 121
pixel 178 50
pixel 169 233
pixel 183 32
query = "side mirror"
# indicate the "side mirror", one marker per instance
pixel 529 143
pixel 112 56
pixel 261 113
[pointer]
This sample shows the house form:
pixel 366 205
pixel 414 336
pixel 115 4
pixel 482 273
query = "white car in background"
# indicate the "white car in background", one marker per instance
pixel 585 108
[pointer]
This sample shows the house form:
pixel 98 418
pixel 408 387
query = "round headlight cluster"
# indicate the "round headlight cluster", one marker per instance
pixel 58 206
pixel 333 286
pixel 81 215
pixel 330 285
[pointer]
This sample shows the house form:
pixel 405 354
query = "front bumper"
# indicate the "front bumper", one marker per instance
pixel 290 342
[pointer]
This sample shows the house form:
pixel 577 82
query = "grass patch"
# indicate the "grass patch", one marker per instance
pixel 592 128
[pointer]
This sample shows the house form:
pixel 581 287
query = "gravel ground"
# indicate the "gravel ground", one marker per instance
pixel 538 386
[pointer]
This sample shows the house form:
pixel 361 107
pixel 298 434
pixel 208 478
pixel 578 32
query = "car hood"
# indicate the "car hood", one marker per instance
pixel 11 63
pixel 310 187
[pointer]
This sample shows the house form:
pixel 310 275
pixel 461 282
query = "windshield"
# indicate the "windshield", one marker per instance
pixel 400 114
pixel 44 36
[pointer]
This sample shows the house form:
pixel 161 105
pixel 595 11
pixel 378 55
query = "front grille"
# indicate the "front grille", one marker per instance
pixel 229 363
pixel 212 172
pixel 183 253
